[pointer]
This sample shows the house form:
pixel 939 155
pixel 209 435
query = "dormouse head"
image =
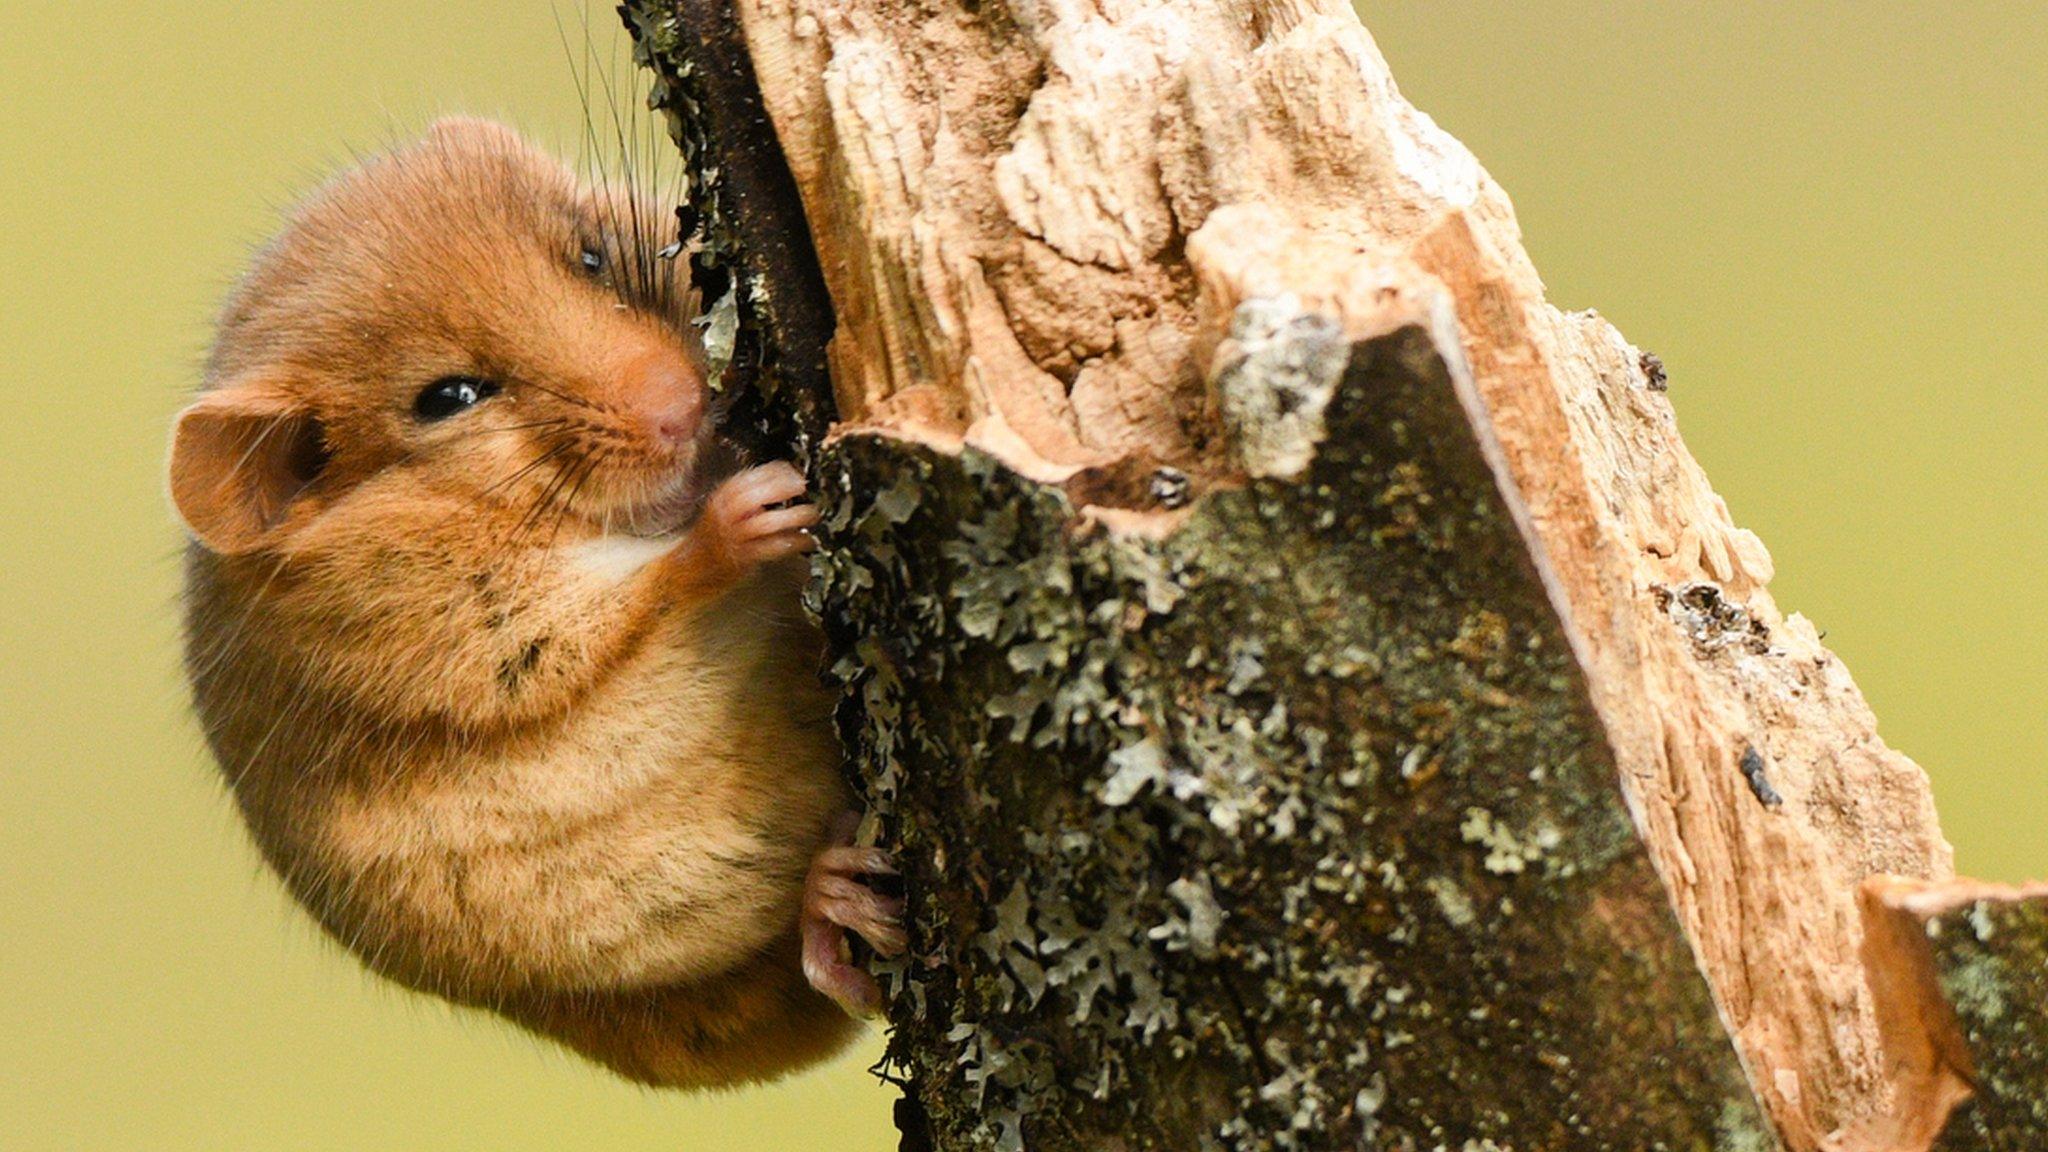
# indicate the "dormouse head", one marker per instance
pixel 463 319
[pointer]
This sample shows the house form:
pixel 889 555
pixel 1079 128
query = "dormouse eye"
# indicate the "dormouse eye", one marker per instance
pixel 593 259
pixel 451 394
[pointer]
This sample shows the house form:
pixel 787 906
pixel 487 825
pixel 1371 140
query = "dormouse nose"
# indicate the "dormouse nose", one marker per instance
pixel 667 393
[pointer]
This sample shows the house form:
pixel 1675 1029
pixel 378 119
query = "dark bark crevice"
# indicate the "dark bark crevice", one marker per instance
pixel 745 216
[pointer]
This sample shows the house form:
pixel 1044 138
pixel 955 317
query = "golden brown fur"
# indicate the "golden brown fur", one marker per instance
pixel 514 726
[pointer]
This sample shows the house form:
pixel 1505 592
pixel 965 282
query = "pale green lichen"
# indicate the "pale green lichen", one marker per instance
pixel 1508 853
pixel 1991 961
pixel 720 324
pixel 1280 370
pixel 1457 907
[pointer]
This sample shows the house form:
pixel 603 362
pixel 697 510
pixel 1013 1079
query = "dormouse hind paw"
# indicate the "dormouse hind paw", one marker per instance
pixel 836 902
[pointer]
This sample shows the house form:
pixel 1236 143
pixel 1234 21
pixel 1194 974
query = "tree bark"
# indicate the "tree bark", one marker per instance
pixel 1315 698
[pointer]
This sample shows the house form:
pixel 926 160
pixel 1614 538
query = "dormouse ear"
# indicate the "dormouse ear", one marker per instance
pixel 240 454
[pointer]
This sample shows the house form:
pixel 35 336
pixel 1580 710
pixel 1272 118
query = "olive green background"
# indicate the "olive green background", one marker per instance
pixel 1827 217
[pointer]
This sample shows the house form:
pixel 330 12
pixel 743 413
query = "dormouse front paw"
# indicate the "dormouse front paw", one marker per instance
pixel 758 516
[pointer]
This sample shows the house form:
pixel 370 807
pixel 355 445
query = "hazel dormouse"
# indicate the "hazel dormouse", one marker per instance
pixel 497 641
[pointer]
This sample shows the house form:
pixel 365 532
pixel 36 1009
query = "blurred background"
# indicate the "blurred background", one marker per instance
pixel 1826 217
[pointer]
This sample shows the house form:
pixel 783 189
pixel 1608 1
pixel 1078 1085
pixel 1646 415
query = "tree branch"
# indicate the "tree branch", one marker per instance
pixel 1317 699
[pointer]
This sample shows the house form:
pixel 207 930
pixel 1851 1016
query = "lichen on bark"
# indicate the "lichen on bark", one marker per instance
pixel 1290 829
pixel 1992 962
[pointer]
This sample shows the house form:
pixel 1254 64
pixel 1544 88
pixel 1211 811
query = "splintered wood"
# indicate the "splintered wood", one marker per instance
pixel 1039 221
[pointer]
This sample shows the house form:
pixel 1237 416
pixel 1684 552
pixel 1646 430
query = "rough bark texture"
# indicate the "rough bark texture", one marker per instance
pixel 1195 826
pixel 1316 697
